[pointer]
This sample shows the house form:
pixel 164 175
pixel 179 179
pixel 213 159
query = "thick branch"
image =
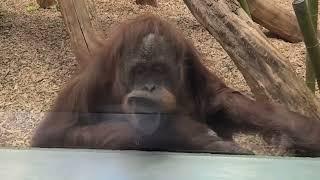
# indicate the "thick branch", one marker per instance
pixel 266 71
pixel 280 22
pixel 85 40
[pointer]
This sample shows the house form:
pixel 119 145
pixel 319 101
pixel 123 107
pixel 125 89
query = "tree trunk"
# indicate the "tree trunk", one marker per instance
pixel 147 2
pixel 46 3
pixel 272 17
pixel 266 71
pixel 86 42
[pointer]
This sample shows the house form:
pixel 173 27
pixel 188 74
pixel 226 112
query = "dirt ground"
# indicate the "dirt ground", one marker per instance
pixel 36 59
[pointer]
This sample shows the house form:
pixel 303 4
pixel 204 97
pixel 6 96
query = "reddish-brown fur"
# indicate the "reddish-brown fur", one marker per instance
pixel 211 104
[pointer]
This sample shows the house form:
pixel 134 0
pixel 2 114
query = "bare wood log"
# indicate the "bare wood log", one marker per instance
pixel 266 71
pixel 77 16
pixel 153 3
pixel 46 3
pixel 272 17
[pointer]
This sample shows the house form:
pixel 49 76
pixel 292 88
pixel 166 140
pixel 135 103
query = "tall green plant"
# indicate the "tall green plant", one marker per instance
pixel 310 76
pixel 309 34
pixel 245 6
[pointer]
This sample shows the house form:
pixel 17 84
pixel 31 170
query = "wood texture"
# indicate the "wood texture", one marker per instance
pixel 266 71
pixel 77 16
pixel 278 21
